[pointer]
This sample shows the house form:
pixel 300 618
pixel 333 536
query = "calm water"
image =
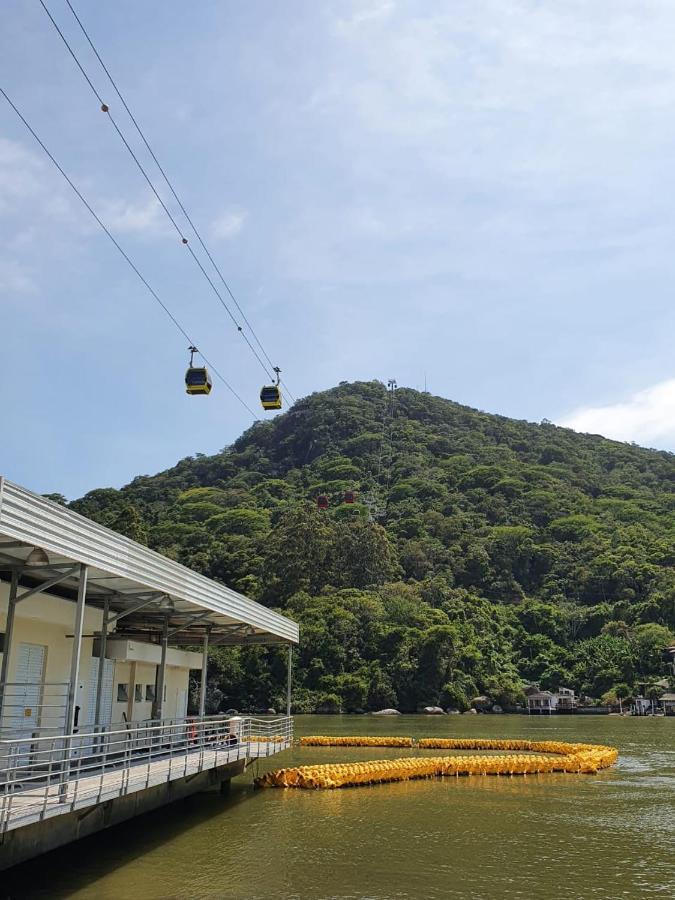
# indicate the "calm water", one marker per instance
pixel 561 836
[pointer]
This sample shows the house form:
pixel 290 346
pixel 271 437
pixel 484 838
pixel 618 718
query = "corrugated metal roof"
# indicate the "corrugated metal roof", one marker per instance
pixel 120 570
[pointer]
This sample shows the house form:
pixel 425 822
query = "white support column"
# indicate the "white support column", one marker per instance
pixel 205 663
pixel 77 650
pixel 158 706
pixel 289 679
pixel 101 664
pixel 9 629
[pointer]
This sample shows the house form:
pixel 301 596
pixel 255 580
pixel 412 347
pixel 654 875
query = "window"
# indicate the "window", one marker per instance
pixel 122 693
pixel 138 693
pixel 149 692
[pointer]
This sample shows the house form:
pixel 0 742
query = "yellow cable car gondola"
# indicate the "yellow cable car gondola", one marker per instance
pixel 197 378
pixel 270 394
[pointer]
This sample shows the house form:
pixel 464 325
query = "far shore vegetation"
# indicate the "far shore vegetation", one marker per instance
pixel 481 554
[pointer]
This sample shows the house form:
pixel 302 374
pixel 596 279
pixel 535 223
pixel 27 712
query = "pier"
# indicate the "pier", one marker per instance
pixel 99 635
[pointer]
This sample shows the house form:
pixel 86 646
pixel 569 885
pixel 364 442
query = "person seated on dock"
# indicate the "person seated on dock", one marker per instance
pixel 234 736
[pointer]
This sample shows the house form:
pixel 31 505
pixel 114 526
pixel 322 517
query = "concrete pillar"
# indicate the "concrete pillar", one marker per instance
pixel 101 664
pixel 77 650
pixel 9 629
pixel 158 705
pixel 202 688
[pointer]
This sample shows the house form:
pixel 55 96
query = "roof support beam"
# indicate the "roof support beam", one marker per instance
pixel 56 579
pixel 189 622
pixel 231 632
pixel 134 608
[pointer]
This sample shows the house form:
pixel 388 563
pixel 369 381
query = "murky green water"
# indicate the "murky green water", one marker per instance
pixel 561 836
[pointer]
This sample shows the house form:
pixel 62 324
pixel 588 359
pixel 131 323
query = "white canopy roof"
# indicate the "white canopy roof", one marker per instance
pixel 127 575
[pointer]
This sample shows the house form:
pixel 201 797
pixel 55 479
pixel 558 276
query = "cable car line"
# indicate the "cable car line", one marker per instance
pixel 171 187
pixel 121 250
pixel 184 240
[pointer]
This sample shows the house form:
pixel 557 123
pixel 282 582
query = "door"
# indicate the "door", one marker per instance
pixel 181 704
pixel 27 691
pixel 88 713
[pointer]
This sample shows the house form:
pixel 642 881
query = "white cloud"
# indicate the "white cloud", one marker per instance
pixel 228 225
pixel 366 13
pixel 14 278
pixel 511 136
pixel 28 187
pixel 646 417
pixel 145 217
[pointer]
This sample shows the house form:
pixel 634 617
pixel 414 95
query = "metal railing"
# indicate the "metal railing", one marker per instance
pixel 266 736
pixel 25 704
pixel 55 774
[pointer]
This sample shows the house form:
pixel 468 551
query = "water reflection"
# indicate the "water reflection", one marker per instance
pixel 558 836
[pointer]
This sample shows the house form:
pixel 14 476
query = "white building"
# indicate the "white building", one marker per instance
pixel 34 686
pixel 94 670
pixel 667 703
pixel 548 702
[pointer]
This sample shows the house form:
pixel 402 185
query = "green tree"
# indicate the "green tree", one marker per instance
pixel 297 554
pixel 128 522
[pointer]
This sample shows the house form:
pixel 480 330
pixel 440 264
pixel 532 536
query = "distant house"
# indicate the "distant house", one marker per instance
pixel 541 703
pixel 547 702
pixel 642 706
pixel 667 703
pixel 566 699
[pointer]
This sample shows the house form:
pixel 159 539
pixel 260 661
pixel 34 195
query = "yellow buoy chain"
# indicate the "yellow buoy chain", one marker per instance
pixel 322 741
pixel 542 757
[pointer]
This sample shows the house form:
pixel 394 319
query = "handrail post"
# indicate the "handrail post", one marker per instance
pixel 289 679
pixel 202 689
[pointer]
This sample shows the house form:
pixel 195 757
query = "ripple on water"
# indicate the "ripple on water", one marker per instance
pixel 558 837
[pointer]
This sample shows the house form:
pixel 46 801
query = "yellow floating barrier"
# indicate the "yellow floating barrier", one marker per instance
pixel 542 757
pixel 355 741
pixel 266 739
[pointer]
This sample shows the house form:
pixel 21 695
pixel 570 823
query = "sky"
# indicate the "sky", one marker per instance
pixel 475 195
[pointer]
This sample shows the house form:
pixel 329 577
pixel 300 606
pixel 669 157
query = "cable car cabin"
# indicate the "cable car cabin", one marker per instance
pixel 270 397
pixel 197 380
pixel 349 497
pixel 322 501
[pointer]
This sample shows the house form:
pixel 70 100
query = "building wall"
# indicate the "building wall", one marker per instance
pixel 177 685
pixel 143 675
pixel 121 708
pixel 47 620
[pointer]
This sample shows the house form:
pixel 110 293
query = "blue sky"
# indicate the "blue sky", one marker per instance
pixel 477 191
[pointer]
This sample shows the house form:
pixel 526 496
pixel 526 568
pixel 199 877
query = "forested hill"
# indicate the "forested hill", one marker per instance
pixel 481 552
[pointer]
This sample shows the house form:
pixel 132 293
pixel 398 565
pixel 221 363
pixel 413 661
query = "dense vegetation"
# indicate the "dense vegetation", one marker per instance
pixel 482 552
